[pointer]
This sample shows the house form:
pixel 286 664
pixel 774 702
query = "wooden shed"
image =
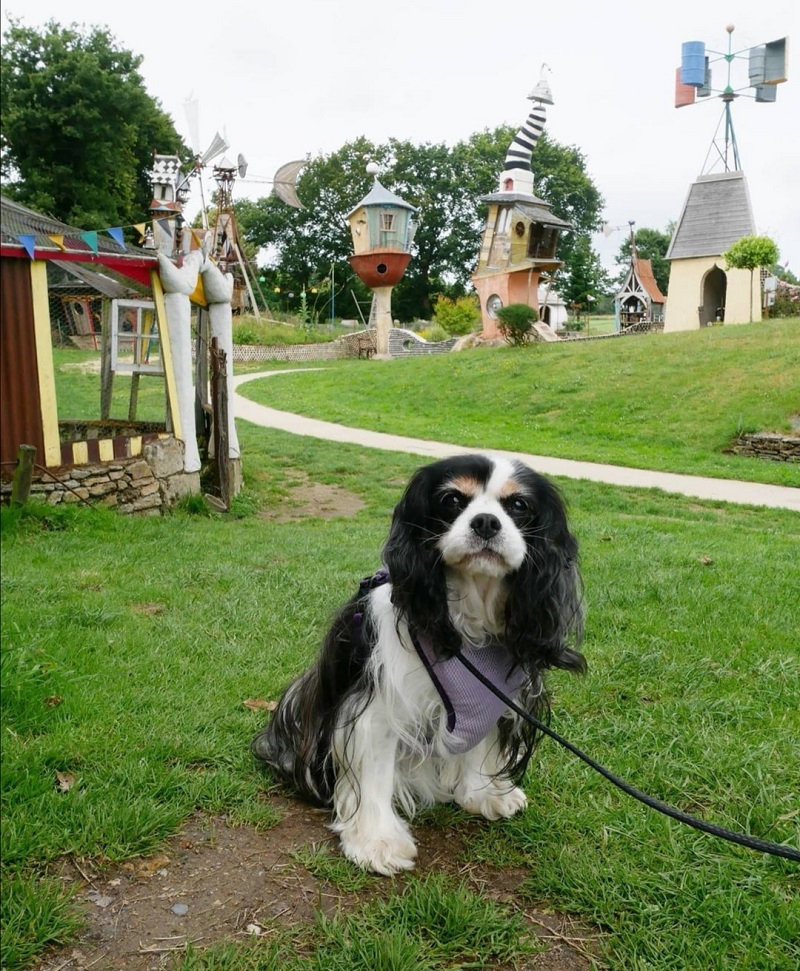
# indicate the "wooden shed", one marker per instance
pixel 70 453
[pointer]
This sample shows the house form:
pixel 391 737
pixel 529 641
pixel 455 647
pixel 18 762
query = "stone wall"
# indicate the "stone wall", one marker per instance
pixel 146 484
pixel 763 445
pixel 402 343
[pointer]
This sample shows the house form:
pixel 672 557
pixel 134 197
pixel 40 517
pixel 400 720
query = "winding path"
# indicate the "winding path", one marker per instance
pixel 698 487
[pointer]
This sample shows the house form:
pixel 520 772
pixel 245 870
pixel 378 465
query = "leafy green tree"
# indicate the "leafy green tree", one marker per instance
pixel 78 127
pixel 651 244
pixel 752 253
pixel 585 279
pixel 443 183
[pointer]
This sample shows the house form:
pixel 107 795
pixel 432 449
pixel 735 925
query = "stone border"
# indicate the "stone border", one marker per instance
pixel 147 484
pixel 764 445
pixel 402 343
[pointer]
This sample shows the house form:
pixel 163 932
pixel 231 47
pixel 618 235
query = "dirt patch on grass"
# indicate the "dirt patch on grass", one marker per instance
pixel 214 882
pixel 307 498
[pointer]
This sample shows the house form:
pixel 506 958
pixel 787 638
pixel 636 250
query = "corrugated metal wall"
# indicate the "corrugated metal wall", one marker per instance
pixel 20 411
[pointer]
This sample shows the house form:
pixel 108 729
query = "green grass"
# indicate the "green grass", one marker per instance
pixel 671 402
pixel 130 644
pixel 77 378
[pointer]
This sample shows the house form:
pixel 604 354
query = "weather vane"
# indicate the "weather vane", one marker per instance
pixel 766 68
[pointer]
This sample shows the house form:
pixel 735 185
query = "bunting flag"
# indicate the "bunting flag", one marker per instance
pixel 116 234
pixel 28 240
pixel 141 230
pixel 58 239
pixel 164 224
pixel 90 238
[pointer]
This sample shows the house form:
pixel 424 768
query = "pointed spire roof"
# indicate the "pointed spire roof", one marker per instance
pixel 379 195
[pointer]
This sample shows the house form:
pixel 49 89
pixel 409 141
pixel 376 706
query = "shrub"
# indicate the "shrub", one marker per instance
pixel 434 332
pixel 515 322
pixel 458 317
pixel 249 330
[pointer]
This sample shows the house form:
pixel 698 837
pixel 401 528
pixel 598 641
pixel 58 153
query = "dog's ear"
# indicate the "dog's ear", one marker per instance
pixel 419 591
pixel 544 612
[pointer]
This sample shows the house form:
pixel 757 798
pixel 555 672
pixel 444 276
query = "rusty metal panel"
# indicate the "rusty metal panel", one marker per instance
pixel 20 409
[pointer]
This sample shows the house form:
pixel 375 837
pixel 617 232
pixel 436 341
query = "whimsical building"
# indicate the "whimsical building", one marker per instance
pixel 382 227
pixel 717 211
pixel 639 298
pixel 521 235
pixel 702 289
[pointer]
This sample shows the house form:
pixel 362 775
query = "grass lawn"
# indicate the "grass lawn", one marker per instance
pixel 671 402
pixel 130 644
pixel 77 377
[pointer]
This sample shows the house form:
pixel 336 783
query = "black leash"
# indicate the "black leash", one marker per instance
pixel 751 842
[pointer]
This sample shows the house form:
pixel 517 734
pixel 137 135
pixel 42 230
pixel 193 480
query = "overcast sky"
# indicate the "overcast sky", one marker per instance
pixel 285 78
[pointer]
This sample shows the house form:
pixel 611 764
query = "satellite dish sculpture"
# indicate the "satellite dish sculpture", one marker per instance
pixel 703 291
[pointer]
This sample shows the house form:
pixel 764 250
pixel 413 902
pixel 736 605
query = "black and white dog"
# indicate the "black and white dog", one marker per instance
pixel 479 562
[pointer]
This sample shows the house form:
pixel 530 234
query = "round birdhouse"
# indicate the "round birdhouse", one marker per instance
pixel 382 227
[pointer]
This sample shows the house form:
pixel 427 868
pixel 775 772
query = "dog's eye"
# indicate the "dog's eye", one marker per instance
pixel 517 504
pixel 454 500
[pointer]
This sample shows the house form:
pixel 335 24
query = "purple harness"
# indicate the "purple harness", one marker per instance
pixel 472 709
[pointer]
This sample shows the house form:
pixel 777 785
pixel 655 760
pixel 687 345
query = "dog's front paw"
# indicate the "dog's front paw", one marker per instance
pixel 384 853
pixel 492 802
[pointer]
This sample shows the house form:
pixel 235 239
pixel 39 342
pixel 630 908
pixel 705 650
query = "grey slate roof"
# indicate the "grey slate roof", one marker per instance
pixel 717 213
pixel 534 208
pixel 379 195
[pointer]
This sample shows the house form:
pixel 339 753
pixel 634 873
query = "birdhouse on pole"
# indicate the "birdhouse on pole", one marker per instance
pixel 382 227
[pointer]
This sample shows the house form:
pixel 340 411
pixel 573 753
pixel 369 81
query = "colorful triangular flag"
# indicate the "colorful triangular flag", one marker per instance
pixel 90 238
pixel 164 224
pixel 28 240
pixel 58 239
pixel 141 229
pixel 116 234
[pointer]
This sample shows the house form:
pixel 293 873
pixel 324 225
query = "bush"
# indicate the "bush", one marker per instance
pixel 458 317
pixel 434 332
pixel 249 330
pixel 515 322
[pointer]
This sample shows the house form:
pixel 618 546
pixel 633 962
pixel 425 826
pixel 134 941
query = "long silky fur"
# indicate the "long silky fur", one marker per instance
pixel 541 618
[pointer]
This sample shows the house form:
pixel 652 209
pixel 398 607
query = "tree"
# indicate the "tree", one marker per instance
pixel 584 277
pixel 752 253
pixel 443 183
pixel 651 244
pixel 79 128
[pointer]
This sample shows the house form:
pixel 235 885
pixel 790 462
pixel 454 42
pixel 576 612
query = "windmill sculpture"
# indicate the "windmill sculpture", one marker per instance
pixel 717 211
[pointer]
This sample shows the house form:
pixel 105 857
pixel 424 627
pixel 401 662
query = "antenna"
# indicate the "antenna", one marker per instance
pixel 766 69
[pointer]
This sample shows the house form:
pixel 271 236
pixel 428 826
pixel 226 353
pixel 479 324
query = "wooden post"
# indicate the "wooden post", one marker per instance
pixel 219 404
pixel 134 399
pixel 106 374
pixel 23 474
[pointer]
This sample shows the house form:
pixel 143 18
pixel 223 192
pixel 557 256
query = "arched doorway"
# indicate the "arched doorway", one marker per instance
pixel 715 287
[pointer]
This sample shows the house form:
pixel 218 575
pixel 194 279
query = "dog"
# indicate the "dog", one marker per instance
pixel 479 563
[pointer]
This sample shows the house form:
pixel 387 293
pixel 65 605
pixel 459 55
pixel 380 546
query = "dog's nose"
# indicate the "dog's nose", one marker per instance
pixel 485 525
